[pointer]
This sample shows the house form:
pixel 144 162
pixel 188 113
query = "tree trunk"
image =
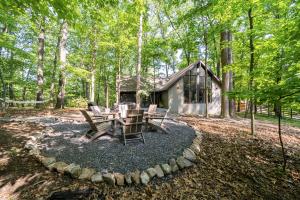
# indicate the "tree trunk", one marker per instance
pixel 231 100
pixel 11 93
pixel 278 113
pixel 226 59
pixel 206 73
pixel 54 71
pixel 251 68
pixel 60 103
pixel 92 92
pixel 87 90
pixel 118 81
pixel 93 69
pixel 25 88
pixel 106 92
pixel 138 67
pixel 40 65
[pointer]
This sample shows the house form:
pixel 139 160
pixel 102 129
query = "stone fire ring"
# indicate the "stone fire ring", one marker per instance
pixel 186 160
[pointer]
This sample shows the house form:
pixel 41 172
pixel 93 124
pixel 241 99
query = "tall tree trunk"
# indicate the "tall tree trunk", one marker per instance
pixel 87 90
pixel 167 70
pixel 279 116
pixel 92 93
pixel 11 92
pixel 52 86
pixel 98 91
pixel 60 103
pixel 206 73
pixel 40 65
pixel 251 68
pixel 25 88
pixel 231 100
pixel 93 68
pixel 118 80
pixel 226 59
pixel 139 63
pixel 106 92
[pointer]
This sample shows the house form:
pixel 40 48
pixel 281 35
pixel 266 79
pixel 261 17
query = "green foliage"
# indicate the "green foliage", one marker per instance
pixel 103 38
pixel 77 102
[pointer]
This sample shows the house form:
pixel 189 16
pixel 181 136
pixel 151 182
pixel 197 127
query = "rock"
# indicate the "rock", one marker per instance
pixel 173 165
pixel 30 144
pixel 166 168
pixel 189 154
pixel 74 170
pixel 34 152
pixel 198 134
pixel 47 160
pixel 87 173
pixel 182 162
pixel 97 178
pixel 128 178
pixel 197 140
pixel 195 148
pixel 145 178
pixel 151 172
pixel 136 177
pixel 159 171
pixel 109 178
pixel 119 178
pixel 58 166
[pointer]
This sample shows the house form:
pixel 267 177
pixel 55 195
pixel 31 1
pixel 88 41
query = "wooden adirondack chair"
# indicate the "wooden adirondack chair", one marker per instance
pixel 98 126
pixel 132 125
pixel 151 110
pixel 98 114
pixel 153 121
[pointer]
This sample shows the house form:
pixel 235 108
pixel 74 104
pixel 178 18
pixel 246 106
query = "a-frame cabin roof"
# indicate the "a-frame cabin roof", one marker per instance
pixel 128 84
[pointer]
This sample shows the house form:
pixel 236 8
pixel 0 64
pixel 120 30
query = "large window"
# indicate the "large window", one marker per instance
pixel 193 92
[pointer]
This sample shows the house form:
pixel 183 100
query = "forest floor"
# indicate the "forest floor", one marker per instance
pixel 232 165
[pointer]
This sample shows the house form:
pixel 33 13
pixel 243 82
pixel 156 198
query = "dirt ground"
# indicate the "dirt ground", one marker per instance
pixel 232 165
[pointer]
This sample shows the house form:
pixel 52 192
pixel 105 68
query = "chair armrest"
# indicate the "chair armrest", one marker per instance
pixel 102 121
pixel 121 121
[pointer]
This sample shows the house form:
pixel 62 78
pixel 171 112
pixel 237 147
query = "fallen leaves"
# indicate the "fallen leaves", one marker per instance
pixel 232 165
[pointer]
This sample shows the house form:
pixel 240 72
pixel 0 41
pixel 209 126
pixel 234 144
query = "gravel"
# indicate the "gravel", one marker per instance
pixel 68 144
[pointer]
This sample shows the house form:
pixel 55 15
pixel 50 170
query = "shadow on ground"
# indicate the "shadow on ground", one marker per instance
pixel 232 165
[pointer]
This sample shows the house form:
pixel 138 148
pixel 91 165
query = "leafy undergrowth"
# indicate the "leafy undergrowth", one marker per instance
pixel 232 165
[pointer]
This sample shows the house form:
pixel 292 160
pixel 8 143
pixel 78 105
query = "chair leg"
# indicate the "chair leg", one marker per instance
pixel 143 138
pixel 124 138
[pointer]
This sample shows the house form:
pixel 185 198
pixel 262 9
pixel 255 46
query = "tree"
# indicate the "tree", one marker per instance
pixel 139 62
pixel 251 68
pixel 226 59
pixel 60 103
pixel 40 65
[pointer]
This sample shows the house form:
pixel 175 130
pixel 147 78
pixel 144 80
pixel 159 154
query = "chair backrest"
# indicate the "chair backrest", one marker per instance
pixel 89 120
pixel 122 110
pixel 152 108
pixel 165 116
pixel 96 110
pixel 133 121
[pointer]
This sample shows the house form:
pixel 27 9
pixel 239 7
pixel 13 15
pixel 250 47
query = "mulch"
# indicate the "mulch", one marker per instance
pixel 232 165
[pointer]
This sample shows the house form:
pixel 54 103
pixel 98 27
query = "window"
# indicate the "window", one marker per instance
pixel 193 92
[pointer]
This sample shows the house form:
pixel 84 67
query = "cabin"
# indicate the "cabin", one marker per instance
pixel 183 92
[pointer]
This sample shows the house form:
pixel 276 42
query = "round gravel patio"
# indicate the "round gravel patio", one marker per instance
pixel 68 144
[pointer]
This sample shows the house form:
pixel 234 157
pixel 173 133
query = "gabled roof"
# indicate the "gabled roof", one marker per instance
pixel 175 77
pixel 128 84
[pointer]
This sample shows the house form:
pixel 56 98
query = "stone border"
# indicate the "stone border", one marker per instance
pixel 186 160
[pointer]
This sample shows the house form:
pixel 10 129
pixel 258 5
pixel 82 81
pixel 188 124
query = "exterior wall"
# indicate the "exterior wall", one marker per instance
pixel 177 105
